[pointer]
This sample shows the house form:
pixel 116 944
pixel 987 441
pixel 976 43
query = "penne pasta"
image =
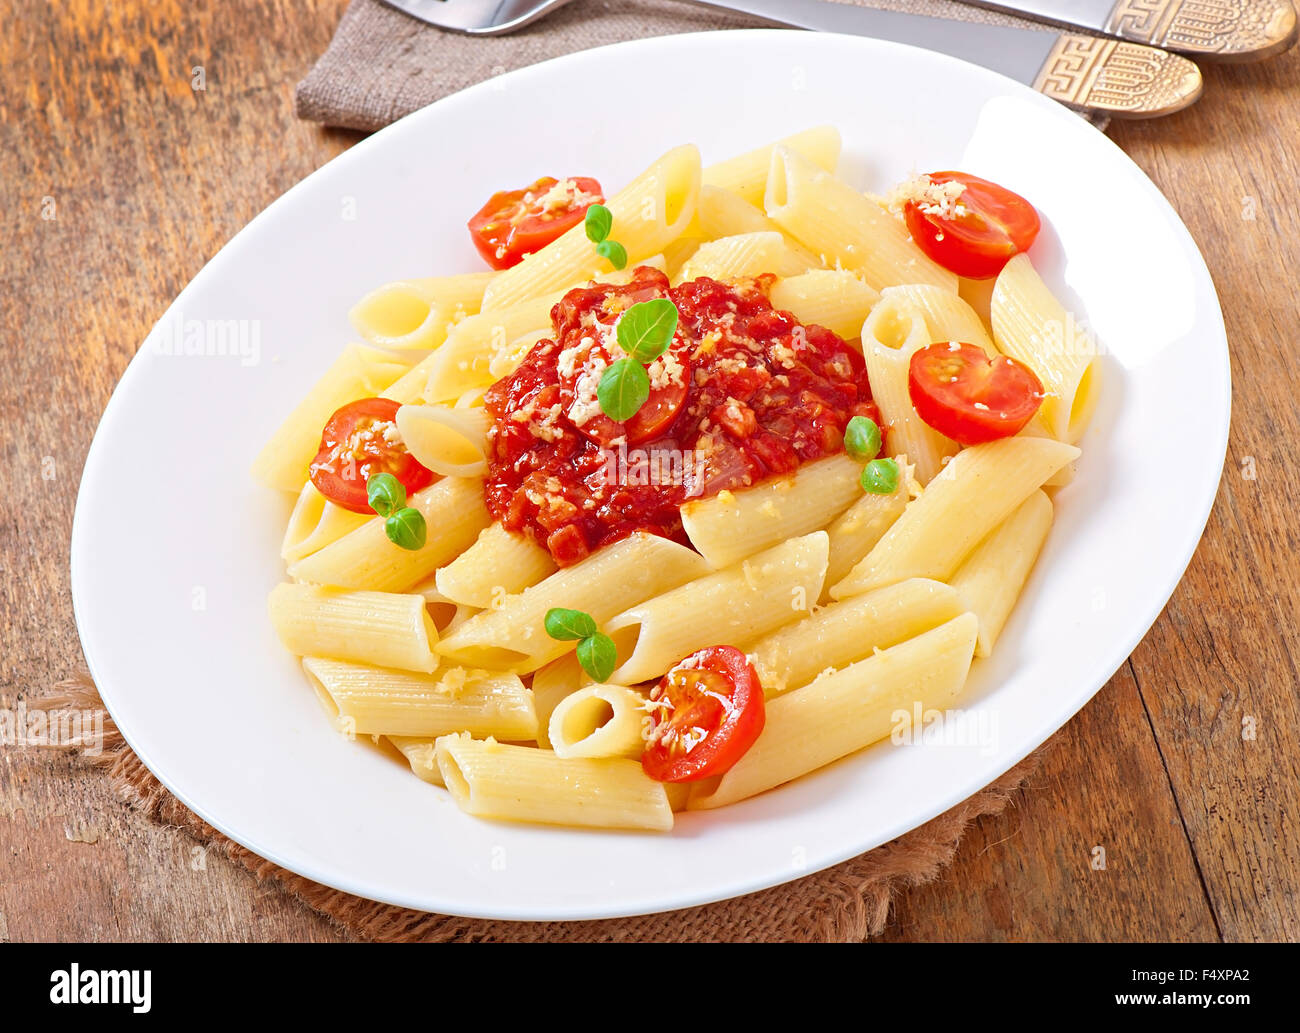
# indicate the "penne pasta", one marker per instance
pixel 946 315
pixel 746 254
pixel 365 700
pixel 1030 325
pixel 730 606
pixel 417 314
pixel 501 563
pixel 844 632
pixel 598 721
pixel 551 684
pixel 513 636
pixel 974 493
pixel 848 710
pixel 464 361
pixel 380 628
pixel 357 373
pixel 892 334
pixel 845 227
pixel 452 442
pixel 854 532
pixel 518 783
pixel 730 525
pixel 992 577
pixel 833 298
pixel 746 175
pixel 723 213
pixel 422 755
pixel 452 508
pixel 314 523
pixel 785 303
pixel 648 215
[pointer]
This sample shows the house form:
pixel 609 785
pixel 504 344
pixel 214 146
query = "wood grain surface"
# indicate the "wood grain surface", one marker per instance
pixel 120 180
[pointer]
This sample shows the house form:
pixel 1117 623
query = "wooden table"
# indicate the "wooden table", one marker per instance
pixel 120 181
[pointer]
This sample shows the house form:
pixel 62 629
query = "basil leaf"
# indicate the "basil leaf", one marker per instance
pixel 614 252
pixel 566 625
pixel 646 329
pixel 623 389
pixel 598 223
pixel 385 493
pixel 880 477
pixel 598 656
pixel 407 529
pixel 862 438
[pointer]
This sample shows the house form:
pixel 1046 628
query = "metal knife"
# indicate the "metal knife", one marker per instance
pixel 1212 30
pixel 1103 76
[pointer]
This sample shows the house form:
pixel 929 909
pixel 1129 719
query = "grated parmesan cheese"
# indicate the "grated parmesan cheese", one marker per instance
pixel 937 199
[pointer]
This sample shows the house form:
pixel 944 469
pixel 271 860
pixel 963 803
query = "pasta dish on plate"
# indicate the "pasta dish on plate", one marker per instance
pixel 698 488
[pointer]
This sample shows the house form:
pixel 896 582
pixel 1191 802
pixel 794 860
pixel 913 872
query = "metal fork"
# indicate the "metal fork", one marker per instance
pixel 1110 77
pixel 479 17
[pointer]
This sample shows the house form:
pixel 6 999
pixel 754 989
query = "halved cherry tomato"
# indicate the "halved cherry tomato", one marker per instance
pixel 965 395
pixel 974 234
pixel 710 711
pixel 359 440
pixel 515 223
pixel 650 421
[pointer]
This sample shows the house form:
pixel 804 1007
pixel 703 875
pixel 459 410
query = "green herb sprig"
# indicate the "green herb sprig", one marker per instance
pixel 598 223
pixel 596 652
pixel 645 330
pixel 404 525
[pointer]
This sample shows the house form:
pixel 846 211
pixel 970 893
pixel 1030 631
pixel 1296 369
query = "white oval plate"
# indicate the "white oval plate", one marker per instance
pixel 174 548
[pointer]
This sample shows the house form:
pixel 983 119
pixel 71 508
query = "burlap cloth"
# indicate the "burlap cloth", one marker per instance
pixel 841 904
pixel 383 64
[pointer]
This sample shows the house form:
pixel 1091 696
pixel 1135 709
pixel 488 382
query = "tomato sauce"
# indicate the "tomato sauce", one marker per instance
pixel 744 393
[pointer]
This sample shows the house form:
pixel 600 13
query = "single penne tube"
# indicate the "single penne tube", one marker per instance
pixel 730 525
pixel 854 532
pixel 978 294
pixel 385 629
pixel 464 361
pixel 1031 325
pixel 848 710
pixel 728 607
pixel 417 314
pixel 746 174
pixel 358 373
pixel 366 700
pixel 845 227
pixel 512 636
pixel 722 213
pixel 891 335
pixel 744 255
pixel 454 514
pixel 648 214
pixel 518 783
pixel 551 684
pixel 447 615
pixel 598 721
pixel 314 523
pixel 974 493
pixel 947 316
pixel 993 575
pixel 833 298
pixel 452 442
pixel 499 564
pixel 421 754
pixel 842 633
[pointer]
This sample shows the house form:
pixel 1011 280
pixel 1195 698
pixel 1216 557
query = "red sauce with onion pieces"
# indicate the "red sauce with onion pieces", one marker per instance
pixel 745 392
